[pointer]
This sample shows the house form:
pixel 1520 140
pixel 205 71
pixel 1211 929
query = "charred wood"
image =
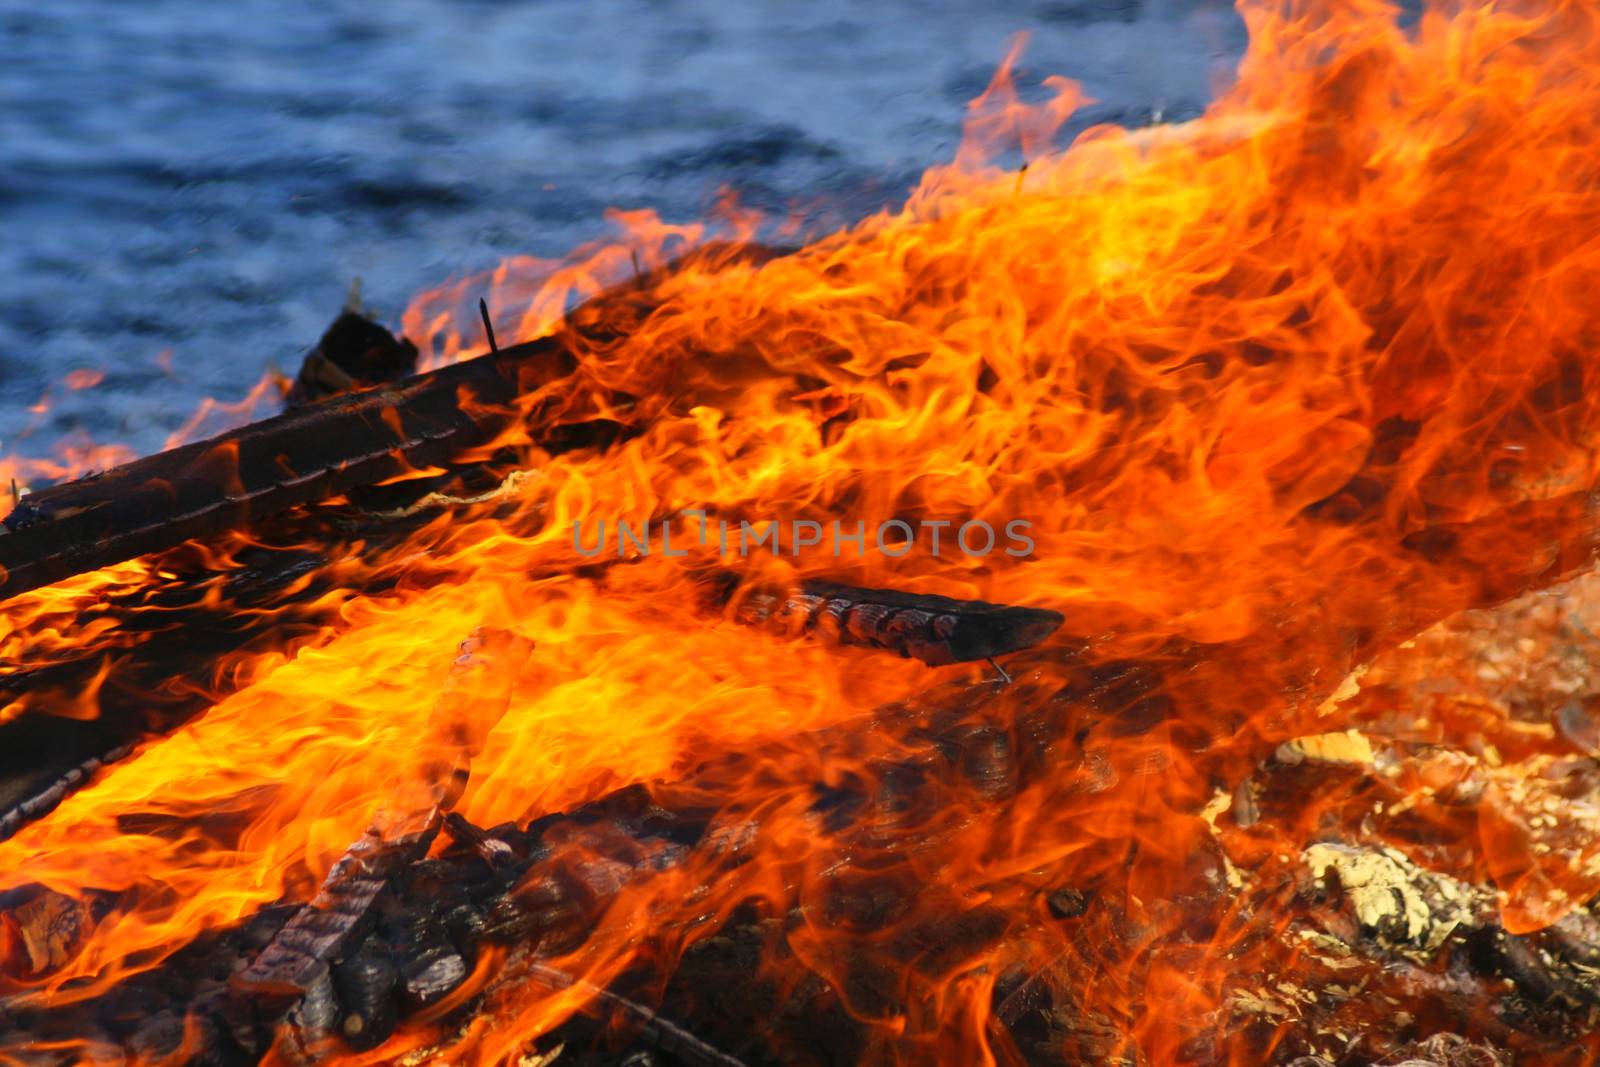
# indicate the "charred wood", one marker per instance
pixel 543 890
pixel 297 967
pixel 298 956
pixel 46 753
pixel 48 749
pixel 391 930
pixel 354 353
pixel 657 1031
pixel 39 804
pixel 40 929
pixel 937 630
pixel 304 455
pixel 365 984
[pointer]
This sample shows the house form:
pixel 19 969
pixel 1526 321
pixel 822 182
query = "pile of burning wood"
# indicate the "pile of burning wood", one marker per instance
pixel 325 741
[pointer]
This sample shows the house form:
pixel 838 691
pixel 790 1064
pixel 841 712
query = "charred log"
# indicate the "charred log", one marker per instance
pixel 365 983
pixel 937 630
pixel 303 455
pixel 295 971
pixel 297 958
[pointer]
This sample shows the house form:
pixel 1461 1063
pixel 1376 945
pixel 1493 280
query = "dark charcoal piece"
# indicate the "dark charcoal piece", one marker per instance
pixel 366 984
pixel 317 1014
pixel 430 966
pixel 354 353
pixel 1069 903
pixel 934 629
pixel 466 924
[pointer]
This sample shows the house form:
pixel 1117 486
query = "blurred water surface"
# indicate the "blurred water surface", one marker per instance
pixel 205 179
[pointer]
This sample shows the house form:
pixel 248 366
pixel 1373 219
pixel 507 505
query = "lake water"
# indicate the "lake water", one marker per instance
pixel 188 188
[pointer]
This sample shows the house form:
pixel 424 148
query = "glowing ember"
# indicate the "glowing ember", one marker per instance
pixel 1274 391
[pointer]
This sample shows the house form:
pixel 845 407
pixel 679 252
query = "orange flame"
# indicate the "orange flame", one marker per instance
pixel 1273 390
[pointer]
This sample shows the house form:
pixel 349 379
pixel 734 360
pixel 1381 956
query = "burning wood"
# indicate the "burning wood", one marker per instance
pixel 304 455
pixel 42 932
pixel 1365 916
pixel 345 440
pixel 43 802
pixel 296 969
pixel 558 877
pixel 937 630
pixel 297 958
pixel 1273 406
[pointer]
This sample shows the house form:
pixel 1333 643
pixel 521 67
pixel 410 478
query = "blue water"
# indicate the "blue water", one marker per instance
pixel 206 179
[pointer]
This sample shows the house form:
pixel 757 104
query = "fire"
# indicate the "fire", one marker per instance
pixel 1274 391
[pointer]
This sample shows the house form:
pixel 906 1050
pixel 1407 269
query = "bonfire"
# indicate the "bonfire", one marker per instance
pixel 1133 604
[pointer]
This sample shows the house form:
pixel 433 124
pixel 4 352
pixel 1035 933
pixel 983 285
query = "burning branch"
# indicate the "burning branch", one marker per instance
pixel 295 964
pixel 937 630
pixel 344 441
pixel 304 455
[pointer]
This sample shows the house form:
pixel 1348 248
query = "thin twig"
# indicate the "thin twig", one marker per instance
pixel 488 327
pixel 661 1033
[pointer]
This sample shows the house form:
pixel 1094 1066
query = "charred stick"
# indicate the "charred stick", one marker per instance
pixel 937 630
pixel 46 800
pixel 171 626
pixel 45 757
pixel 488 326
pixel 659 1032
pixel 192 615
